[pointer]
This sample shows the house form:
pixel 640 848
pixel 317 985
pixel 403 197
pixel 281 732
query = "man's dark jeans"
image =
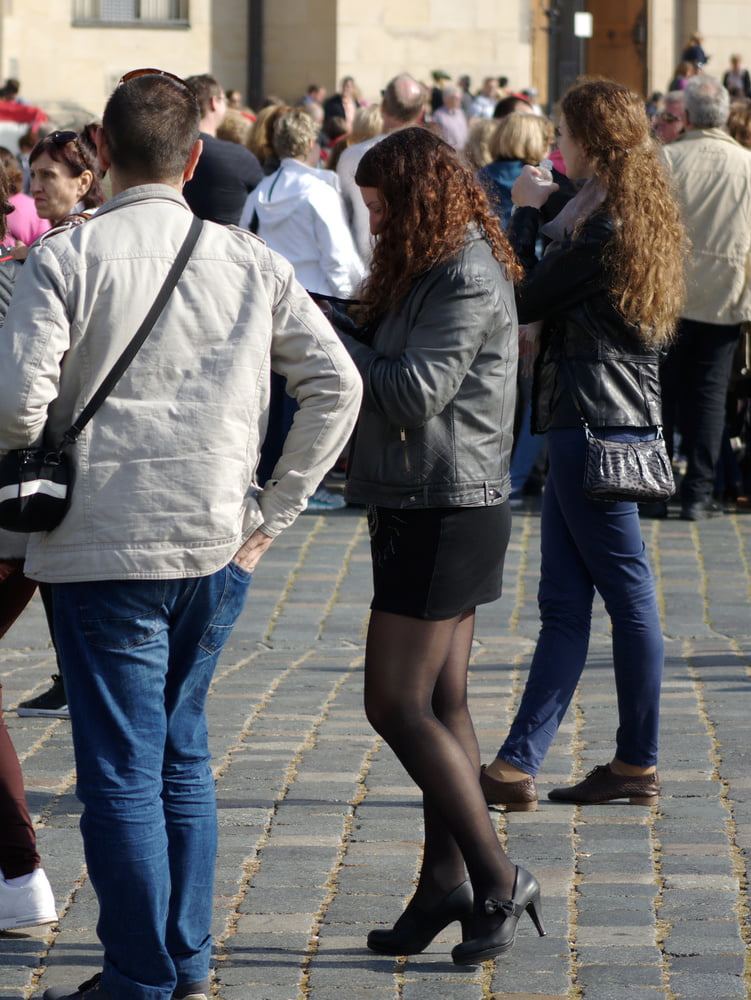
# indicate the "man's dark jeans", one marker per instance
pixel 695 376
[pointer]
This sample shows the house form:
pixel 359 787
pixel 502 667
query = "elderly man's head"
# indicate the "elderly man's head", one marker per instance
pixel 452 96
pixel 669 122
pixel 403 102
pixel 707 102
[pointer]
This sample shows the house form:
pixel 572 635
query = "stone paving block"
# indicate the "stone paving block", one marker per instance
pixel 604 916
pixel 696 865
pixel 702 987
pixel 609 976
pixel 702 964
pixel 601 992
pixel 618 937
pixel 426 989
pixel 704 937
pixel 689 881
pixel 604 954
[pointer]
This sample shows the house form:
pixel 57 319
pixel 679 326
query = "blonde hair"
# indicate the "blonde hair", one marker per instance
pixel 367 123
pixel 523 137
pixel 260 140
pixel 294 132
pixel 235 127
pixel 739 122
pixel 478 143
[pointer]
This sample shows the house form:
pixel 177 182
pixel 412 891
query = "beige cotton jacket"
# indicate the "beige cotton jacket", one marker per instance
pixel 712 173
pixel 165 470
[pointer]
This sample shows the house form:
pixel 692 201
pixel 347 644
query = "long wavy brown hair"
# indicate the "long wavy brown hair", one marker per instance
pixel 430 198
pixel 645 257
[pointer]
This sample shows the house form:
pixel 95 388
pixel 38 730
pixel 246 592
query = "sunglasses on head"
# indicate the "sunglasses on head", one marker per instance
pixel 666 117
pixel 63 138
pixel 136 73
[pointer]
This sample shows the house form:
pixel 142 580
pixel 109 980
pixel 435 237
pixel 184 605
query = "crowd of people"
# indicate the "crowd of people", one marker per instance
pixel 459 291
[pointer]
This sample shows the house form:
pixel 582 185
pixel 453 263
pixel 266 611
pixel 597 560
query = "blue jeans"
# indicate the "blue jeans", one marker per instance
pixel 138 657
pixel 588 544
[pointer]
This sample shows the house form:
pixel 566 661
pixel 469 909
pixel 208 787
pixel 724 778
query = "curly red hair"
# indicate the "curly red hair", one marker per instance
pixel 430 198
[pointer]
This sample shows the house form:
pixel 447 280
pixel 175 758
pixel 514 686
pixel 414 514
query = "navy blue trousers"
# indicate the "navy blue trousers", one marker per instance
pixel 589 545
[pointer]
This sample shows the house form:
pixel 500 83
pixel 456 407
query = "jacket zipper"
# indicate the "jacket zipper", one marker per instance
pixel 403 439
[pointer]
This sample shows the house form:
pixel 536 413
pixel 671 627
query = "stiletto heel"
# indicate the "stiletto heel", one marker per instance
pixel 501 935
pixel 533 909
pixel 416 928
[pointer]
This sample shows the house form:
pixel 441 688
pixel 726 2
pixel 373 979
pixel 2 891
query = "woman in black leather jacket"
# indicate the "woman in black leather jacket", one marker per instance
pixel 604 299
pixel 430 459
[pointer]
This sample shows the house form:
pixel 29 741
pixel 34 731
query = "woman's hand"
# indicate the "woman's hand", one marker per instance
pixel 531 188
pixel 249 554
pixel 20 251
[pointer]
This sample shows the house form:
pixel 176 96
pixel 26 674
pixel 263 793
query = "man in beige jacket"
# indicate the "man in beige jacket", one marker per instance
pixel 151 565
pixel 713 175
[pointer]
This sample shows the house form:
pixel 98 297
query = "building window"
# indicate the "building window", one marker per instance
pixel 124 13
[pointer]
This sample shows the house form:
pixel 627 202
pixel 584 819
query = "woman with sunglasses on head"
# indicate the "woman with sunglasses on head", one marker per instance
pixel 430 460
pixel 606 295
pixel 64 177
pixel 65 181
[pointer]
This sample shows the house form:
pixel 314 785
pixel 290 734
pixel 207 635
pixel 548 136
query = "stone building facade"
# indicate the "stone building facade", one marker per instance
pixel 72 52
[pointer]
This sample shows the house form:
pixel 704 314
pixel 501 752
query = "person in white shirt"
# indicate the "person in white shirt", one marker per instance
pixel 298 212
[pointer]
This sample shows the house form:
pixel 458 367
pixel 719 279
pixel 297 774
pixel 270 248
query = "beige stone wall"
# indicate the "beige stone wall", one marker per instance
pixel 478 37
pixel 300 46
pixel 59 63
pixel 663 32
pixel 726 27
pixel 229 34
pixel 322 41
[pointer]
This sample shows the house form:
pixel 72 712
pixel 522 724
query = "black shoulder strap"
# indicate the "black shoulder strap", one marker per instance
pixel 120 366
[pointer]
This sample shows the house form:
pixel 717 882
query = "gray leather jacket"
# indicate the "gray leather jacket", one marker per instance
pixel 435 429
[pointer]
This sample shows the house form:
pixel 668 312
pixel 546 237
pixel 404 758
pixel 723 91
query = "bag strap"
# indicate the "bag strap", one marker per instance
pixel 574 394
pixel 122 363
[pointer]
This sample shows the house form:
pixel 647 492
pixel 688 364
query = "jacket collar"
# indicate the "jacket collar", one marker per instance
pixel 705 133
pixel 144 192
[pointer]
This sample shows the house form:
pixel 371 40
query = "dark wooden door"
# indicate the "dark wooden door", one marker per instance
pixel 618 46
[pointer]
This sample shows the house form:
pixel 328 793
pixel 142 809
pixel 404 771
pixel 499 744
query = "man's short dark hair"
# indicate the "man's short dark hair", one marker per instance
pixel 151 124
pixel 205 87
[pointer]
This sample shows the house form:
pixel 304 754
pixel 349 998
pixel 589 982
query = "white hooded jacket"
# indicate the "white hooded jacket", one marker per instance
pixel 301 216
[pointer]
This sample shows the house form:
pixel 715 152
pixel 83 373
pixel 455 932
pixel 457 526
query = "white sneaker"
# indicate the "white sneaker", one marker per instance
pixel 28 904
pixel 323 501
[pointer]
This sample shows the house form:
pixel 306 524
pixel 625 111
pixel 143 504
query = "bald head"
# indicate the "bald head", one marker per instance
pixel 403 102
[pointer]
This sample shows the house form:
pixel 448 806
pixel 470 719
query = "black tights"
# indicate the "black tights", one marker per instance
pixel 416 698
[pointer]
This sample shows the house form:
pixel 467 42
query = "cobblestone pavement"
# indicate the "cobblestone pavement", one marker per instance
pixel 320 828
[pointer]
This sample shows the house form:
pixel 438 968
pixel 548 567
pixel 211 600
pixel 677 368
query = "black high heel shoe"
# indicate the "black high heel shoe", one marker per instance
pixel 416 928
pixel 503 917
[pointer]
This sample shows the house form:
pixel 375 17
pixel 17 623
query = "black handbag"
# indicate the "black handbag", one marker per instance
pixel 636 471
pixel 36 484
pixel 639 471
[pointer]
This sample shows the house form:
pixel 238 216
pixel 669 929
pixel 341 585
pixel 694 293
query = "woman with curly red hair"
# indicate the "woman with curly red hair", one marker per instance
pixel 606 294
pixel 430 460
